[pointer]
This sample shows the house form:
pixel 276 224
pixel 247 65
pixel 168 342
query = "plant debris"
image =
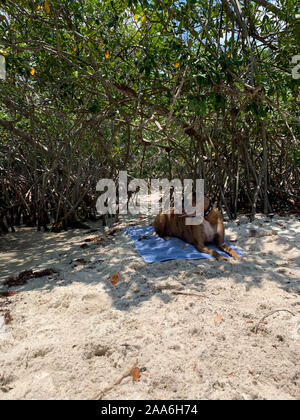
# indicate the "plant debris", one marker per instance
pixel 111 232
pixel 93 239
pixel 7 293
pixel 7 318
pixel 218 319
pixel 24 276
pixel 81 261
pixel 255 329
pixel 128 372
pixel 114 279
pixel 135 373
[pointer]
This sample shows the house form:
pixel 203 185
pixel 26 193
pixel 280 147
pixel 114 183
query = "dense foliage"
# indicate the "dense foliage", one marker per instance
pixel 195 88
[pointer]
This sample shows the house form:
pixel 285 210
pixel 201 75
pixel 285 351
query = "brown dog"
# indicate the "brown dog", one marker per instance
pixel 211 229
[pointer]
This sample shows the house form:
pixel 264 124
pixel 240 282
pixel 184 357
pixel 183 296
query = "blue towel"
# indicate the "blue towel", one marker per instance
pixel 155 249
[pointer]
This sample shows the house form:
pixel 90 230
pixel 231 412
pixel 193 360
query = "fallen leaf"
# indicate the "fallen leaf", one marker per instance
pixel 81 260
pixel 218 319
pixel 135 373
pixel 114 279
pixel 231 374
pixel 7 318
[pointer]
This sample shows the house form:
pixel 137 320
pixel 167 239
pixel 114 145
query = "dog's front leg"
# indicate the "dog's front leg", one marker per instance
pixel 226 248
pixel 198 240
pixel 202 248
pixel 222 245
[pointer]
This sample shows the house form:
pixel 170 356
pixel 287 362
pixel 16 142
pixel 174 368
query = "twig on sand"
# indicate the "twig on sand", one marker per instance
pixel 255 329
pixel 188 294
pixel 108 388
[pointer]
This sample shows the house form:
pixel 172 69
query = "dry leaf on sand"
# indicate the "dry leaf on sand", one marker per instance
pixel 93 239
pixel 114 279
pixel 218 319
pixel 7 318
pixel 135 373
pixel 81 260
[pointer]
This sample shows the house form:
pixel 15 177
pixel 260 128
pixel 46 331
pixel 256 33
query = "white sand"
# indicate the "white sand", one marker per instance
pixel 73 333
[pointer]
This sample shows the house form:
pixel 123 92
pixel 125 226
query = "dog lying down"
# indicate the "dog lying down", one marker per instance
pixel 211 229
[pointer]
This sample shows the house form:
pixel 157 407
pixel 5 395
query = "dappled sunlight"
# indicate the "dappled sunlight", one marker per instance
pixel 268 259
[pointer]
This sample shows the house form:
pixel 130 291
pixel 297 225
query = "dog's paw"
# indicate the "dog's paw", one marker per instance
pixel 222 258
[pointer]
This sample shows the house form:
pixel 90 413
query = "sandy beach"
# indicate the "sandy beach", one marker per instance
pixel 189 326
